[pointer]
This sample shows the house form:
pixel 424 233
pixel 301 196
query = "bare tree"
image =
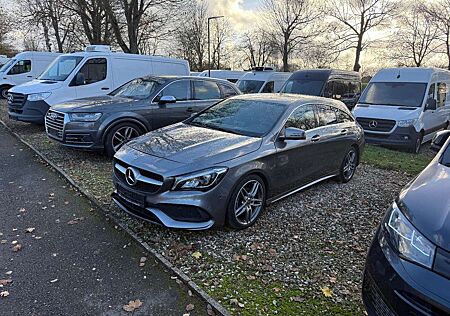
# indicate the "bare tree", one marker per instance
pixel 290 24
pixel 257 47
pixel 416 38
pixel 5 28
pixel 439 14
pixel 356 18
pixel 220 37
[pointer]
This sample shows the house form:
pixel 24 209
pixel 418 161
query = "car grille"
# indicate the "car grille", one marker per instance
pixel 149 183
pixel 54 124
pixel 374 298
pixel 375 125
pixel 16 100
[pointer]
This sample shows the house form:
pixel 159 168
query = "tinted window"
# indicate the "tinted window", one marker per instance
pixel 268 88
pixel 227 91
pixel 180 90
pixel 246 117
pixel 303 86
pixel 326 115
pixel 342 117
pixel 302 118
pixel 340 88
pixel 441 94
pixel 206 90
pixel 94 70
pixel 354 88
pixel 22 66
pixel 250 86
pixel 394 93
pixel 61 68
pixel 329 89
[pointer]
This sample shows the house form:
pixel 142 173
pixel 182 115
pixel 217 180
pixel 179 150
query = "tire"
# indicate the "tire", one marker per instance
pixel 415 148
pixel 238 214
pixel 4 92
pixel 127 131
pixel 348 165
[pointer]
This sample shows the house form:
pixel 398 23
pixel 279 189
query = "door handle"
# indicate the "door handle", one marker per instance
pixel 315 138
pixel 29 76
pixel 105 88
pixel 344 132
pixel 190 110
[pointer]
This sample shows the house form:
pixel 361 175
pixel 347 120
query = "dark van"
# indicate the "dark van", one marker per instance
pixel 329 83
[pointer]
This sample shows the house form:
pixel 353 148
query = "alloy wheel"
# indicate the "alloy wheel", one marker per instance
pixel 122 136
pixel 249 202
pixel 350 164
pixel 4 93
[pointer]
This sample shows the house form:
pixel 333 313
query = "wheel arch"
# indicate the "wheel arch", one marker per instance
pixel 120 120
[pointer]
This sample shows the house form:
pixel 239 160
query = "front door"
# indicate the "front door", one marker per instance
pixel 21 72
pixel 92 79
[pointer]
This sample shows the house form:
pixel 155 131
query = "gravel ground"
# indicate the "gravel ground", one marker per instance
pixel 300 248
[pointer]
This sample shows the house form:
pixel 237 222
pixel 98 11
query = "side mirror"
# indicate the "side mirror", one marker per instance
pixel 292 133
pixel 167 99
pixel 439 140
pixel 431 105
pixel 80 79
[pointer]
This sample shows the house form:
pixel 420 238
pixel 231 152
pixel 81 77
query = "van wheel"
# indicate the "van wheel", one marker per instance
pixel 348 165
pixel 247 202
pixel 4 92
pixel 119 135
pixel 415 149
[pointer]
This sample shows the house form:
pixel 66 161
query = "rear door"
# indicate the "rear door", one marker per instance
pixel 205 93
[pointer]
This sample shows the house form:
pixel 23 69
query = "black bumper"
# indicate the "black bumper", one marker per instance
pixel 393 286
pixel 29 111
pixel 400 137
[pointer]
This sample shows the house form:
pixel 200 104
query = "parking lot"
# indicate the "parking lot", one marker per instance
pixel 304 256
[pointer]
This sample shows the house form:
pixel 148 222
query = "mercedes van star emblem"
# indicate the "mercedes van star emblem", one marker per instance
pixel 130 176
pixel 373 124
pixel 10 98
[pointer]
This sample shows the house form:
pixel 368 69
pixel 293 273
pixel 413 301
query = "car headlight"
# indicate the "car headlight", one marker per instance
pixel 38 96
pixel 407 240
pixel 84 117
pixel 406 123
pixel 202 180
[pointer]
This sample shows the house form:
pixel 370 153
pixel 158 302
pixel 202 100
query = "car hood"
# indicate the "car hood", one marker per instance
pixel 37 86
pixel 388 112
pixel 92 104
pixel 428 203
pixel 190 144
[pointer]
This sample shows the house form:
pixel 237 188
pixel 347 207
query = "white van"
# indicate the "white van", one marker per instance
pixel 405 106
pixel 262 81
pixel 96 71
pixel 230 75
pixel 22 68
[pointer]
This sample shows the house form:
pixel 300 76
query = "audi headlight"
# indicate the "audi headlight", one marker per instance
pixel 84 117
pixel 202 180
pixel 407 240
pixel 406 123
pixel 38 96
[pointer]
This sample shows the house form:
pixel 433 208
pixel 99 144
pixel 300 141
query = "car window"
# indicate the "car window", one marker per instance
pixel 250 86
pixel 431 90
pixel 446 157
pixel 94 70
pixel 441 94
pixel 21 67
pixel 140 88
pixel 303 118
pixel 206 90
pixel 268 88
pixel 227 91
pixel 339 89
pixel 342 117
pixel 180 90
pixel 326 115
pixel 354 88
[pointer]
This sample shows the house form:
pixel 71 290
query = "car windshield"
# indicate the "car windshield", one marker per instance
pixel 250 86
pixel 6 66
pixel 394 93
pixel 243 117
pixel 303 86
pixel 60 68
pixel 138 88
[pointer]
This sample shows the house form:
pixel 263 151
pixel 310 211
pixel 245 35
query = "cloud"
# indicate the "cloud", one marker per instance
pixel 242 14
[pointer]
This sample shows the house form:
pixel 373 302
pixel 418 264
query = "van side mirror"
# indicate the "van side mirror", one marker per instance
pixel 80 79
pixel 430 105
pixel 439 140
pixel 167 99
pixel 292 133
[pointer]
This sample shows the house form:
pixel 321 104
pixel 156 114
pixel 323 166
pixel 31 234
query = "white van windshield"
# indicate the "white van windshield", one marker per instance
pixel 303 86
pixel 250 86
pixel 6 66
pixel 61 68
pixel 394 93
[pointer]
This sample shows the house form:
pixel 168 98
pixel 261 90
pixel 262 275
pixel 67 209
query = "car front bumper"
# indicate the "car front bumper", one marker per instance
pixel 400 137
pixel 393 286
pixel 29 111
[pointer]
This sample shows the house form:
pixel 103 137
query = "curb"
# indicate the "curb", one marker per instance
pixel 166 263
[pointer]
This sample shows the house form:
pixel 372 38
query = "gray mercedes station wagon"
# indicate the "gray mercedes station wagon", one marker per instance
pixel 226 163
pixel 139 106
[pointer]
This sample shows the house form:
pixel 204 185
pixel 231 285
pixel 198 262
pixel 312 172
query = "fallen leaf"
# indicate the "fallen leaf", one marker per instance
pixel 13 242
pixel 190 293
pixel 4 294
pixel 54 280
pixel 276 289
pixel 190 307
pixel 4 241
pixel 30 229
pixel 210 311
pixel 132 305
pixel 17 247
pixel 272 252
pixel 142 261
pixel 8 273
pixel 297 299
pixel 22 210
pixel 196 255
pixel 327 292
pixel 5 281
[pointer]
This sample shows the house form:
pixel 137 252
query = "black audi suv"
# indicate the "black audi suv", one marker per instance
pixel 226 163
pixel 139 106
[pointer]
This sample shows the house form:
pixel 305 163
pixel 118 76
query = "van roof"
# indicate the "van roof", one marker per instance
pixel 28 53
pixel 131 56
pixel 263 75
pixel 407 74
pixel 324 74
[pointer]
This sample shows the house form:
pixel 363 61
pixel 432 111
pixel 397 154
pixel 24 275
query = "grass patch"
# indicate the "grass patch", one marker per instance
pixel 389 159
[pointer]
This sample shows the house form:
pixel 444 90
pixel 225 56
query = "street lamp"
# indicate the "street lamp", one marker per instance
pixel 209 43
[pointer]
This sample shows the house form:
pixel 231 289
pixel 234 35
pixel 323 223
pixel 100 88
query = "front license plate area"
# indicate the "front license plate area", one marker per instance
pixel 131 197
